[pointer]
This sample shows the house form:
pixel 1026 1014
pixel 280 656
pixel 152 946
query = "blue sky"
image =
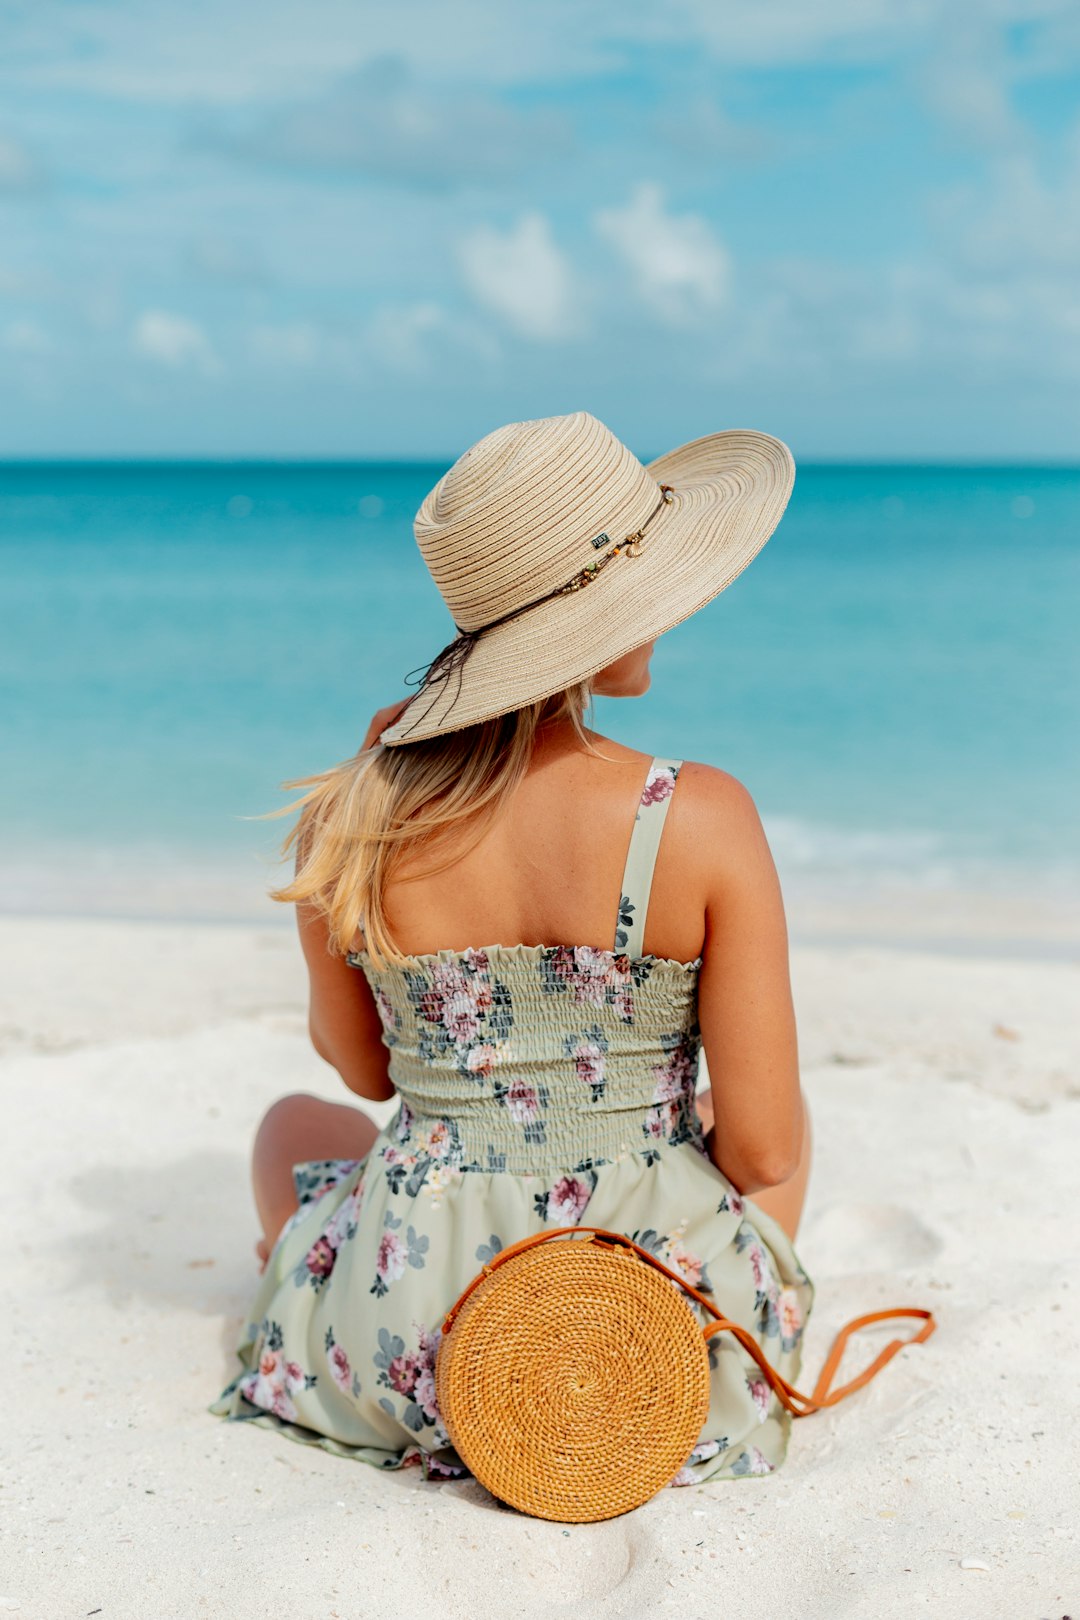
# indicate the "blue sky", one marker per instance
pixel 325 230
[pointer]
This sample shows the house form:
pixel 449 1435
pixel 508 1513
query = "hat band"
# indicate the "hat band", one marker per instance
pixel 453 656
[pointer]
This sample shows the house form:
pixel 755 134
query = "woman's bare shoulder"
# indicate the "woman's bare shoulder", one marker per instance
pixel 717 795
pixel 719 820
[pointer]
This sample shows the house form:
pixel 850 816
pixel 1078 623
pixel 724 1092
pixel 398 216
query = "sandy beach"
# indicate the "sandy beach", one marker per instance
pixel 719 362
pixel 945 1097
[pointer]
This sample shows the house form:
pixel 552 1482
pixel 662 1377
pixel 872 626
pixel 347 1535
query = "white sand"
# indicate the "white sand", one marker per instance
pixel 137 1058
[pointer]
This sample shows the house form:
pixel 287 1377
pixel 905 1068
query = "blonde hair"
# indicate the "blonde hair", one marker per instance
pixel 362 818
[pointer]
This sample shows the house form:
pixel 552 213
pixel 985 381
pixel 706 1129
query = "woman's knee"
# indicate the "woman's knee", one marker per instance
pixel 287 1113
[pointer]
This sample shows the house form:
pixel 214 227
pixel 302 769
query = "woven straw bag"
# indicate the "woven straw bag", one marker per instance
pixel 573 1380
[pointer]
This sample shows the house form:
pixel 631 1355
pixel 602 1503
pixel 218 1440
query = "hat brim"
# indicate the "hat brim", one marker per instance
pixel 730 493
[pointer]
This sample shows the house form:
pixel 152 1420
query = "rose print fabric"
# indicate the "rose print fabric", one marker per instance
pixel 539 1086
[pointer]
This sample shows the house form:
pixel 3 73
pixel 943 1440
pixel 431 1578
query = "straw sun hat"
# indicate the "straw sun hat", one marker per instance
pixel 557 553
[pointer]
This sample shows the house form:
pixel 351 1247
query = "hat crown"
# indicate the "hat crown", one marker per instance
pixel 516 516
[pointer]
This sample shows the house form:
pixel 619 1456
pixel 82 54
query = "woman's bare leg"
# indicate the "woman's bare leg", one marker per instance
pixel 295 1128
pixel 783 1202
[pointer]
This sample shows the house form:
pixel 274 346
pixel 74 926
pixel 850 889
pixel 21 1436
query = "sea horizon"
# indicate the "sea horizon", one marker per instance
pixel 805 464
pixel 895 678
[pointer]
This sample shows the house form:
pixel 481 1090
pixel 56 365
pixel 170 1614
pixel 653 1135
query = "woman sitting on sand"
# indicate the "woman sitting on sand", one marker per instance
pixel 497 932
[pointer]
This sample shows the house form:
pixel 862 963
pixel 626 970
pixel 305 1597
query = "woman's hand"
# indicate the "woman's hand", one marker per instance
pixel 381 720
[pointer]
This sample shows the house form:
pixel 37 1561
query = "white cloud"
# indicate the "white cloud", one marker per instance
pixel 702 133
pixel 680 268
pixel 174 340
pixel 243 51
pixel 523 277
pixel 26 337
pixel 232 54
pixel 911 333
pixel 965 78
pixel 221 258
pixel 19 169
pixel 775 33
pixel 398 335
pixel 296 343
pixel 22 283
pixel 772 32
pixel 411 339
pixel 1015 218
pixel 380 120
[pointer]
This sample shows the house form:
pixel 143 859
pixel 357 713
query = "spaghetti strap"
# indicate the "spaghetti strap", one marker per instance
pixel 642 853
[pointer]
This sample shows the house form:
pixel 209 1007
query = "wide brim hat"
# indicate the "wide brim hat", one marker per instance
pixel 557 552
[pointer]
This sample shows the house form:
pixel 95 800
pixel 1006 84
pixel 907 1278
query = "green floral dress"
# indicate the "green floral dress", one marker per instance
pixel 540 1086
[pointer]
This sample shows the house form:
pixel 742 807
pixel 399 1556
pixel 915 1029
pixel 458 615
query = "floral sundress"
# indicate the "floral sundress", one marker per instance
pixel 540 1086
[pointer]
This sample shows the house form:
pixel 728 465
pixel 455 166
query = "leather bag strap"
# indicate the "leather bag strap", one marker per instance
pixel 798 1404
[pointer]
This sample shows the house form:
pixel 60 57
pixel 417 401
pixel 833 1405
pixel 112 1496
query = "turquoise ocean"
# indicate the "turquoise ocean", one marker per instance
pixel 896 679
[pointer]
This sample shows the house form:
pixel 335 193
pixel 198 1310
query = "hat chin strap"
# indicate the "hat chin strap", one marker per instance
pixel 443 666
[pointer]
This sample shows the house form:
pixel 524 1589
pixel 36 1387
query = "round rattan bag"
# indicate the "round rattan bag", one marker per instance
pixel 567 1357
pixel 573 1377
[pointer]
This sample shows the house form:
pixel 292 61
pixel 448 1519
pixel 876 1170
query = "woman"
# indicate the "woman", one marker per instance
pixel 496 930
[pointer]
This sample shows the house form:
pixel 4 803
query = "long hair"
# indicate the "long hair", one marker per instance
pixel 361 819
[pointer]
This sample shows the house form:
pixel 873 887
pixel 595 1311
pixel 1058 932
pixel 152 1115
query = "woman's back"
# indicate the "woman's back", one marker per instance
pixel 543 1059
pixel 548 869
pixel 544 1080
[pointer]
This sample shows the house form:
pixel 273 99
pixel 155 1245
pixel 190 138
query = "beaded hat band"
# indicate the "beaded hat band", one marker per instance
pixel 510 535
pixel 450 662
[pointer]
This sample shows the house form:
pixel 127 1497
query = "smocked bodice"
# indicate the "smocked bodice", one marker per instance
pixel 532 1058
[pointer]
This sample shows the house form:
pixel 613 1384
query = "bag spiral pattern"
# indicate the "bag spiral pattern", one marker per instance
pixel 573 1355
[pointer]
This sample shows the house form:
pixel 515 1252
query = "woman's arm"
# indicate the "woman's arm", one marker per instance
pixel 745 1005
pixel 342 1019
